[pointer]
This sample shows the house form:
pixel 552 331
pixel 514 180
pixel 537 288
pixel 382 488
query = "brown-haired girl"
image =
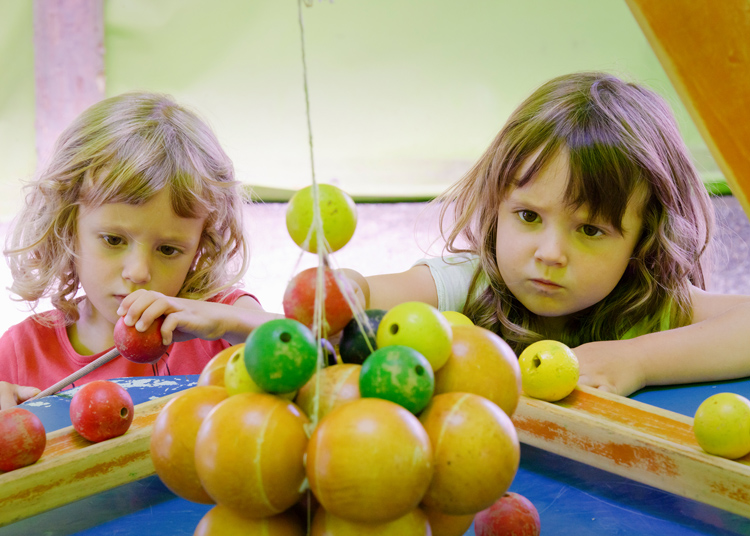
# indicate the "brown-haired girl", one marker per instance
pixel 585 221
pixel 137 214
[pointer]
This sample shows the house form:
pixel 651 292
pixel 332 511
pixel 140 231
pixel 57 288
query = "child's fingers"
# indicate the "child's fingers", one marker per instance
pixel 24 392
pixel 7 395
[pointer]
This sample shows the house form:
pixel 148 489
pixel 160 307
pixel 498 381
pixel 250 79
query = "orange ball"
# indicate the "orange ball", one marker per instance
pixel 223 521
pixel 213 372
pixel 369 461
pixel 173 440
pixel 414 523
pixel 481 363
pixel 476 453
pixel 249 454
pixel 337 384
pixel 445 525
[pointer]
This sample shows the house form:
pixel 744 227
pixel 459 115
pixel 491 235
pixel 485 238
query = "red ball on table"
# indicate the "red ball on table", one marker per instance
pixel 22 438
pixel 511 515
pixel 101 410
pixel 140 347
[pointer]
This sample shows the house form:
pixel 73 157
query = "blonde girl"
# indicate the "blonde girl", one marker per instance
pixel 136 214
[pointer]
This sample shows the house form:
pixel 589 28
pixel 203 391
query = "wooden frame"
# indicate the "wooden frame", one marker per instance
pixel 636 441
pixel 72 468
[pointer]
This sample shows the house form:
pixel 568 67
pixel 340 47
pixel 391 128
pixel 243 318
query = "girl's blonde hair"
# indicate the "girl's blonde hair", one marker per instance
pixel 623 142
pixel 125 149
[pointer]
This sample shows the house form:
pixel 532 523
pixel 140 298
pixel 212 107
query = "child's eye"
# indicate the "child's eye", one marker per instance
pixel 528 216
pixel 591 231
pixel 169 251
pixel 112 240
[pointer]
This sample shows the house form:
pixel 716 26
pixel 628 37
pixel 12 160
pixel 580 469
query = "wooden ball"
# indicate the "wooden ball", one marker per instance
pixel 249 454
pixel 476 453
pixel 173 438
pixel 337 384
pixel 414 523
pixel 369 461
pixel 223 521
pixel 481 363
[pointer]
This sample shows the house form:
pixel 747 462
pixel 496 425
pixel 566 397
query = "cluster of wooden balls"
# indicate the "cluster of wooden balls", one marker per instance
pixel 406 430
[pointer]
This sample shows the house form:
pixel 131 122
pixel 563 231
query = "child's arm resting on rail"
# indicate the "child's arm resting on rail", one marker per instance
pixel 189 319
pixel 713 348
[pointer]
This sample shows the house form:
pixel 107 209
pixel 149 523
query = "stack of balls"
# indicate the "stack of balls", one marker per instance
pixel 406 431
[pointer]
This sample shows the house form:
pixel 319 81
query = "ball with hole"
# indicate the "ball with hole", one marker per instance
pixel 420 326
pixel 281 355
pixel 549 370
pixel 399 374
pixel 101 410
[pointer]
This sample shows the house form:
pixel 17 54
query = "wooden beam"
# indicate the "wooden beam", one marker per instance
pixel 68 64
pixel 72 468
pixel 636 441
pixel 704 47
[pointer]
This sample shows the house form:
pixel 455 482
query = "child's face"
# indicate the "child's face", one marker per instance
pixel 122 248
pixel 554 260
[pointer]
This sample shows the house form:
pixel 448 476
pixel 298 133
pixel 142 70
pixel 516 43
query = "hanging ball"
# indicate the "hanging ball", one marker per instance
pixel 482 363
pixel 330 387
pixel 419 326
pixel 300 294
pixel 337 212
pixel 281 355
pixel 369 461
pixel 249 454
pixel 476 453
pixel 399 374
pixel 354 347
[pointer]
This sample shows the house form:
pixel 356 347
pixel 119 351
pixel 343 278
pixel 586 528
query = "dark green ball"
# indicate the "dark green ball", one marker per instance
pixel 353 345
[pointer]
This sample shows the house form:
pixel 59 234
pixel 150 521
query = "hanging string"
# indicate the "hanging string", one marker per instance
pixel 317 228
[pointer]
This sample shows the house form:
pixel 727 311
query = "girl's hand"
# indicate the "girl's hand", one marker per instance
pixel 11 395
pixel 189 319
pixel 611 366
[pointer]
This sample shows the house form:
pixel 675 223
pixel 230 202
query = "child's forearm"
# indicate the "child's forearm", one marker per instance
pixel 243 321
pixel 715 349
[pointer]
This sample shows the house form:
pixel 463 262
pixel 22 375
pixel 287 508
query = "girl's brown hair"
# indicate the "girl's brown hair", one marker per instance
pixel 125 149
pixel 622 140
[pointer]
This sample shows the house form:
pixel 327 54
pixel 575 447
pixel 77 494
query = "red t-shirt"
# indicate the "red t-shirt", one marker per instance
pixel 40 355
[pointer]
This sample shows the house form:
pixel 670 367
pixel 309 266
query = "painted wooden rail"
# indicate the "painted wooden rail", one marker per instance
pixel 72 468
pixel 636 441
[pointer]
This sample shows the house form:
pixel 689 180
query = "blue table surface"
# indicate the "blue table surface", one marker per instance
pixel 572 498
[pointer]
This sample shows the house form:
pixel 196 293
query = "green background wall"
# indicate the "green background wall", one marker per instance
pixel 404 94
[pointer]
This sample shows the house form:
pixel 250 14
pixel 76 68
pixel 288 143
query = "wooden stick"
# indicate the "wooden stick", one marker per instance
pixel 95 364
pixel 72 468
pixel 637 441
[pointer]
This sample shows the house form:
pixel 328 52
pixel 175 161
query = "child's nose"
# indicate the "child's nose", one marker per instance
pixel 551 249
pixel 136 268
